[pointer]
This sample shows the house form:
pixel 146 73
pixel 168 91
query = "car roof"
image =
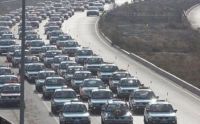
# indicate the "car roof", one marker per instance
pixel 56 77
pixel 64 89
pixel 97 90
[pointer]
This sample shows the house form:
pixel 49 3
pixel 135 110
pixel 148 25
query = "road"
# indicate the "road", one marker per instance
pixel 84 30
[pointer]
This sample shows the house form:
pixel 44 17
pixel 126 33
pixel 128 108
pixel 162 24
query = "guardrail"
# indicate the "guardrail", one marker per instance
pixel 155 68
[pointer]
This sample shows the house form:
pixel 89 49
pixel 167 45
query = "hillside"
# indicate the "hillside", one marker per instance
pixel 157 31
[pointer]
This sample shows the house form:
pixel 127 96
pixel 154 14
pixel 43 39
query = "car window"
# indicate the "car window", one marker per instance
pixel 75 108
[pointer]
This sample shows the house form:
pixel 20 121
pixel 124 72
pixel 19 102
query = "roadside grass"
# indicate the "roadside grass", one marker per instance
pixel 157 31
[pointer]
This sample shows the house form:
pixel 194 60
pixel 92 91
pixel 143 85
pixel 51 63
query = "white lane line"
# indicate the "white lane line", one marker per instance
pixel 173 84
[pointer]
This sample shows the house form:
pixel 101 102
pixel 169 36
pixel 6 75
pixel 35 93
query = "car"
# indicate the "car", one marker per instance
pixel 98 98
pixel 16 58
pixel 60 97
pixel 49 55
pixel 42 75
pixel 66 43
pixel 116 112
pixel 35 50
pixel 31 71
pixel 92 10
pixel 160 112
pixel 10 54
pixel 140 98
pixel 68 75
pixel 88 85
pixel 82 55
pixel 63 66
pixel 93 64
pixel 6 79
pixel 100 6
pixel 54 33
pixel 70 51
pixel 10 94
pixel 106 71
pixel 51 28
pixel 46 48
pixel 126 86
pixel 34 43
pixel 51 84
pixel 5 45
pixel 116 77
pixel 78 78
pixel 74 112
pixel 57 60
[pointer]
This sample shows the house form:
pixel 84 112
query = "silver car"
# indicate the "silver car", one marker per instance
pixel 74 113
pixel 60 97
pixel 160 112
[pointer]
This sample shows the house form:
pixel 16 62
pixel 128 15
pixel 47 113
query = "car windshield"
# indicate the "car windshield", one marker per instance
pixel 68 44
pixel 102 95
pixel 6 43
pixel 35 67
pixel 129 83
pixel 161 108
pixel 92 83
pixel 118 76
pixel 108 68
pixel 65 94
pixel 36 43
pixel 46 48
pixel 55 82
pixel 5 71
pixel 85 53
pixel 113 107
pixel 43 75
pixel 94 61
pixel 72 70
pixel 93 8
pixel 31 59
pixel 144 95
pixel 8 79
pixel 75 108
pixel 11 89
pixel 60 59
pixel 52 54
pixel 81 76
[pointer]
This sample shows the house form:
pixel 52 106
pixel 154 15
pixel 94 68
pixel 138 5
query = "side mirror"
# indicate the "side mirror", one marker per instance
pixel 157 97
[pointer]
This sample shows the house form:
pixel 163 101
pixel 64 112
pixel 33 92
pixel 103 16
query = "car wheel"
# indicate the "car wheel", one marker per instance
pixel 145 122
pixel 102 122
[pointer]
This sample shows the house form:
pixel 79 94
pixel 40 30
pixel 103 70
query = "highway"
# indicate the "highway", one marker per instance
pixel 85 31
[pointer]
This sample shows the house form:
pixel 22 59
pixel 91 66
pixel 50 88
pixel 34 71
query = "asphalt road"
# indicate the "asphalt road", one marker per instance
pixel 84 30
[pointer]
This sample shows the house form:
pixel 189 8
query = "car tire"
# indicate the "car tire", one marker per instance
pixel 102 122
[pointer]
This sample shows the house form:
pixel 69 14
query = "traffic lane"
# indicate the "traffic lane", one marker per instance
pixel 35 110
pixel 9 113
pixel 194 17
pixel 83 29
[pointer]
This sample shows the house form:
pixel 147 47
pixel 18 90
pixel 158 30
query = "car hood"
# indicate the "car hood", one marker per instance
pixel 89 88
pixel 128 88
pixel 64 100
pixel 106 73
pixel 161 114
pixel 53 87
pixel 100 100
pixel 10 94
pixel 144 100
pixel 40 81
pixel 76 114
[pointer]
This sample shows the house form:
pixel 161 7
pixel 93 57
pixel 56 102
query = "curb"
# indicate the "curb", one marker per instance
pixel 153 67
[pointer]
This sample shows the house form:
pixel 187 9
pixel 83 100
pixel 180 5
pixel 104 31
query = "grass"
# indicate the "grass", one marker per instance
pixel 157 31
